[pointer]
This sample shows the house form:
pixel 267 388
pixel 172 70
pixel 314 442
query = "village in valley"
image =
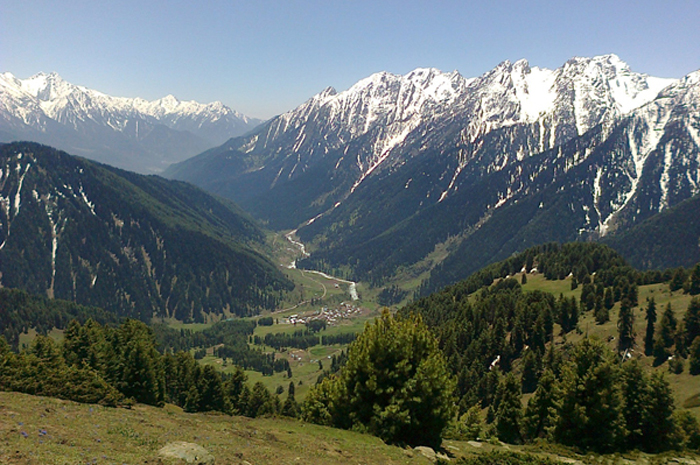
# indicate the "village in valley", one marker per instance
pixel 332 316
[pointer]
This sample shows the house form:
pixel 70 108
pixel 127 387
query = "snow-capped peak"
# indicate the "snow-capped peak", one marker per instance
pixel 51 91
pixel 561 103
pixel 34 108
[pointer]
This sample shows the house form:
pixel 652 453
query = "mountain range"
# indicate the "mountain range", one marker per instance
pixel 436 172
pixel 137 246
pixel 130 133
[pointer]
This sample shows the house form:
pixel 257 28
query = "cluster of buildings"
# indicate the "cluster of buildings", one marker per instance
pixel 344 311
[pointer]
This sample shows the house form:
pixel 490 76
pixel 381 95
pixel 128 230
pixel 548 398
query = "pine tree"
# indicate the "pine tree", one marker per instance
pixel 658 425
pixel 470 424
pixel 687 430
pixel 590 416
pixel 694 357
pixel 259 403
pixel 602 315
pixel 320 406
pixel 139 373
pixel 395 384
pixel 509 415
pixel 665 336
pixel 635 387
pixel 679 340
pixel 290 407
pixel 633 294
pixel 531 368
pixel 692 286
pixel 573 314
pixel 233 390
pixel 564 314
pixel 678 279
pixel 574 283
pixel 625 326
pixel 651 321
pixel 692 322
pixel 541 412
pixel 211 389
pixel 192 400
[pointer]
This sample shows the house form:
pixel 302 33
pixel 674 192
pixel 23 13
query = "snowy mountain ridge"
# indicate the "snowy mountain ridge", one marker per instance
pixel 47 108
pixel 53 95
pixel 379 176
pixel 384 111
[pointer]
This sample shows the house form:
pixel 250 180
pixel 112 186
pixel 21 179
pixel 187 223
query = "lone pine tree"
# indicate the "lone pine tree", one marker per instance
pixel 395 385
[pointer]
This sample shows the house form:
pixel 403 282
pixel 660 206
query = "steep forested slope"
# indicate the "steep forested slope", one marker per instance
pixel 135 245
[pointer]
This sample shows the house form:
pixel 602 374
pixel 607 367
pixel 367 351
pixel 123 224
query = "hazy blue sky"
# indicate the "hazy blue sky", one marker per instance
pixel 265 57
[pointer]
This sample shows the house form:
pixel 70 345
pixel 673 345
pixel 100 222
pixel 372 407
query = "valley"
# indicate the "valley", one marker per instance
pixel 401 167
pixel 506 262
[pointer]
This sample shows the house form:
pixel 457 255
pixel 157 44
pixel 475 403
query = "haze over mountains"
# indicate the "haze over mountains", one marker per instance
pixel 135 134
pixel 434 171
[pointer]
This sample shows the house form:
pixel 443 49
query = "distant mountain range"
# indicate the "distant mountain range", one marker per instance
pixel 138 246
pixel 133 134
pixel 435 172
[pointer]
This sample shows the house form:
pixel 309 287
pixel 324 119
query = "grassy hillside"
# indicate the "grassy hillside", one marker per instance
pixel 81 433
pixel 686 388
pixel 64 432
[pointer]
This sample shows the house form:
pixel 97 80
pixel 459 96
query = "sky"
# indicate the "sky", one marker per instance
pixel 264 57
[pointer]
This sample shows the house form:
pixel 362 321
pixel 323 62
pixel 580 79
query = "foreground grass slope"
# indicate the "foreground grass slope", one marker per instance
pixel 63 432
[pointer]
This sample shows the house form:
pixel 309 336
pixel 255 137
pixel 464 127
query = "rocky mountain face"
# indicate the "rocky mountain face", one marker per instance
pixel 433 171
pixel 143 136
pixel 139 246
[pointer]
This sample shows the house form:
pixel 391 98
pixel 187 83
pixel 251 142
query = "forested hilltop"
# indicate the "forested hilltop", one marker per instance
pixel 562 344
pixel 137 246
pixel 595 360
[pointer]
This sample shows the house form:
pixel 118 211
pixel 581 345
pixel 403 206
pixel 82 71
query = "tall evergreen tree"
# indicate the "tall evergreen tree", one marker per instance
pixel 234 388
pixel 678 280
pixel 395 384
pixel 625 326
pixel 651 322
pixel 692 286
pixel 658 425
pixel 635 390
pixel 590 415
pixel 665 336
pixel 260 402
pixel 531 369
pixel 290 407
pixel 192 399
pixel 509 414
pixel 633 294
pixel 541 412
pixel 602 314
pixel 211 389
pixel 692 321
pixel 694 357
pixel 139 371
